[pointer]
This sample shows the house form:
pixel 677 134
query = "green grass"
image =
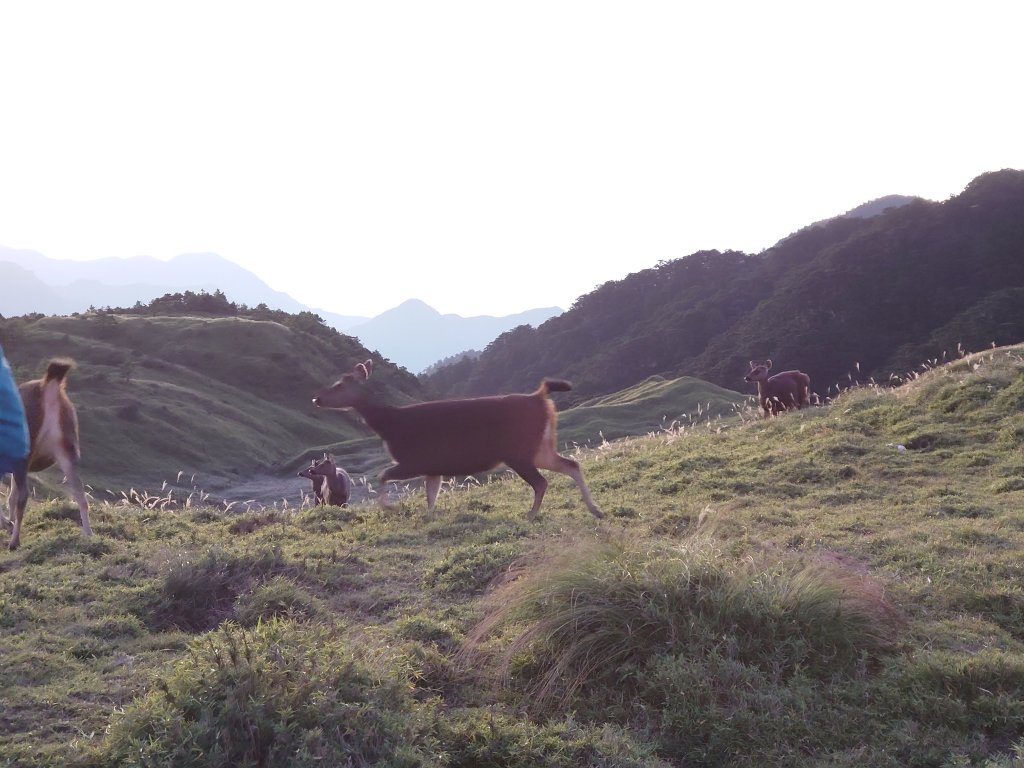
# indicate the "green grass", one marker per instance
pixel 180 403
pixel 183 402
pixel 785 592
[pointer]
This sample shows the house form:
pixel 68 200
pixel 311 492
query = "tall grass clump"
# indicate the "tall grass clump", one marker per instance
pixel 594 616
pixel 279 695
pixel 198 592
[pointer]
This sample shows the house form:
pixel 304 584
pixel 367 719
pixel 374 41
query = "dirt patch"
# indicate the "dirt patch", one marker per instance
pixel 274 490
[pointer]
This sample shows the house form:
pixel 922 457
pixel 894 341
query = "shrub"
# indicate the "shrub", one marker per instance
pixel 278 597
pixel 279 695
pixel 197 594
pixel 595 612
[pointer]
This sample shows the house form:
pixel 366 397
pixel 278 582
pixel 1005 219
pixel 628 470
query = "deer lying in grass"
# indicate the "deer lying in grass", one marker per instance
pixel 463 437
pixel 53 435
pixel 331 483
pixel 785 390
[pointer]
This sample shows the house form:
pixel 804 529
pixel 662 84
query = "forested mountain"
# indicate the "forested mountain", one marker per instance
pixel 851 297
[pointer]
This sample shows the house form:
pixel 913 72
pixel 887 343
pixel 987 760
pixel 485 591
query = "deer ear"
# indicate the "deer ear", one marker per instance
pixel 753 365
pixel 768 363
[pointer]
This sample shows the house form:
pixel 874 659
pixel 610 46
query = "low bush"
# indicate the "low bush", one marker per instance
pixel 279 695
pixel 197 593
pixel 594 614
pixel 278 597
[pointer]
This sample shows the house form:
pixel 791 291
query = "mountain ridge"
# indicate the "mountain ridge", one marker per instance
pixel 40 284
pixel 848 299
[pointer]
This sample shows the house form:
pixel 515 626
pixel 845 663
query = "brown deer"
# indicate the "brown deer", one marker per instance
pixel 463 437
pixel 318 482
pixel 53 434
pixel 781 392
pixel 331 483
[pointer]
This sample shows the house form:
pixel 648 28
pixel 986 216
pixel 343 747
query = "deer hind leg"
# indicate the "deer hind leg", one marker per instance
pixel 548 458
pixel 68 463
pixel 536 480
pixel 16 505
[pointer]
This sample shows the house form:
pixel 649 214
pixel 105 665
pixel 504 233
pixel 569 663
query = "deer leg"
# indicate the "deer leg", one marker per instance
pixel 536 480
pixel 571 467
pixel 432 483
pixel 68 463
pixel 5 521
pixel 16 504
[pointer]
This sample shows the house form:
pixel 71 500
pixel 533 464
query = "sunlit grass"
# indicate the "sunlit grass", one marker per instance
pixel 790 591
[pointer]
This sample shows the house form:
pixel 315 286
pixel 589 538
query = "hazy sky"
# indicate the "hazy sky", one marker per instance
pixel 484 157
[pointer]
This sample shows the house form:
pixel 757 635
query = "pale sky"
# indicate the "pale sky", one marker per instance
pixel 484 157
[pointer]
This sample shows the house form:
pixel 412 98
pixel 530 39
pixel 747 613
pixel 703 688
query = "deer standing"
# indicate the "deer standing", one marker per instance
pixel 785 390
pixel 331 483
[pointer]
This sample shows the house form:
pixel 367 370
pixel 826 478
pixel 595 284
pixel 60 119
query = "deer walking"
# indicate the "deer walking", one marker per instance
pixel 463 437
pixel 53 437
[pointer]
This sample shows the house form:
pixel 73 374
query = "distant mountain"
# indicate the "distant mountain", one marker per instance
pixel 24 293
pixel 412 335
pixel 415 335
pixel 844 300
pixel 77 285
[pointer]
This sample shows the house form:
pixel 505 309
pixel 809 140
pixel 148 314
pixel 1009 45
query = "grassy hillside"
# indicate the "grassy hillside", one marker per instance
pixel 223 403
pixel 218 399
pixel 653 405
pixel 789 592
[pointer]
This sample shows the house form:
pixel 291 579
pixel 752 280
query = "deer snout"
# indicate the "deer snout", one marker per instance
pixel 316 401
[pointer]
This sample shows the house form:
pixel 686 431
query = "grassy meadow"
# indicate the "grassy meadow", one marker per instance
pixel 217 399
pixel 656 404
pixel 799 591
pixel 221 406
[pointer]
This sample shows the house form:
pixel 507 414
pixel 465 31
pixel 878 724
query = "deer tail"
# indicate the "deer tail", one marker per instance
pixel 58 369
pixel 554 385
